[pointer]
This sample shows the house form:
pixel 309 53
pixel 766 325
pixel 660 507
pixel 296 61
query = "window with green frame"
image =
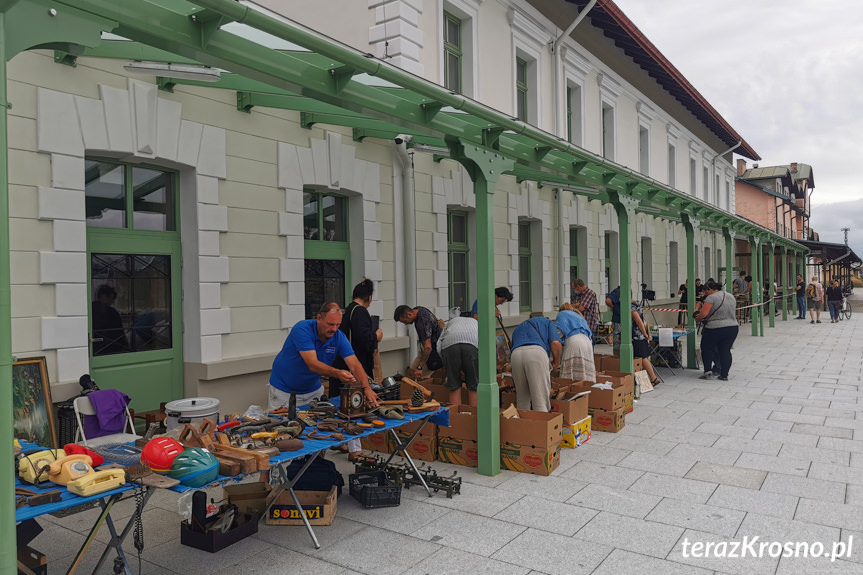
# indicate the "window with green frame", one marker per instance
pixel 126 196
pixel 327 250
pixel 452 50
pixel 458 250
pixel 521 89
pixel 524 264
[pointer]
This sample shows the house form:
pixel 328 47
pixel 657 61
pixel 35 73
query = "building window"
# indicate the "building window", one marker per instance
pixel 521 90
pixel 672 166
pixel 452 48
pixel 643 150
pixel 458 250
pixel 727 195
pixel 612 267
pixel 706 177
pixel 673 273
pixel 123 196
pixel 693 179
pixel 646 263
pixel 716 191
pixel 708 270
pixel 573 114
pixel 327 251
pixel 524 266
pixel 607 131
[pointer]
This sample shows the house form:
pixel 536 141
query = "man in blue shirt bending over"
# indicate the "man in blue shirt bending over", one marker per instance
pixel 308 354
pixel 533 341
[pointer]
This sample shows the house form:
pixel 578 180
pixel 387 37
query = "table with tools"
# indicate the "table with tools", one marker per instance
pixel 658 357
pixel 33 501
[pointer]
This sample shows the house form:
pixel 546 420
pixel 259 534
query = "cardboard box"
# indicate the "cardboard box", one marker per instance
pixel 628 403
pixel 376 442
pixel 529 459
pixel 424 445
pixel 572 410
pixel 612 363
pixel 457 451
pixel 248 497
pixel 319 506
pixel 532 428
pixel 604 399
pixel 434 385
pixel 33 560
pixel 576 434
pixel 508 398
pixel 559 382
pixel 462 423
pixel 213 541
pixel 611 421
pixel 627 379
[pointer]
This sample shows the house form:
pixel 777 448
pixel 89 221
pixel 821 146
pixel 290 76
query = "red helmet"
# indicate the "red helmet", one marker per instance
pixel 159 453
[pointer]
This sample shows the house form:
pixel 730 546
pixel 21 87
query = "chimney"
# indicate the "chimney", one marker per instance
pixel 793 167
pixel 741 166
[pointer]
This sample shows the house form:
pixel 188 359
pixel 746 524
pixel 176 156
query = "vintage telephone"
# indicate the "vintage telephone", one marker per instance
pixel 97 482
pixel 70 468
pixel 33 467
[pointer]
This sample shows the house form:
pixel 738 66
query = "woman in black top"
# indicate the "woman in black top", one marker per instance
pixel 681 316
pixel 834 301
pixel 361 330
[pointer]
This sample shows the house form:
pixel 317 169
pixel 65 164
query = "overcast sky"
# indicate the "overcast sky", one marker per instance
pixel 788 76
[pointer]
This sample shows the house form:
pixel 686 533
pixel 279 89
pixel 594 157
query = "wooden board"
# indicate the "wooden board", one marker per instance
pixel 433 405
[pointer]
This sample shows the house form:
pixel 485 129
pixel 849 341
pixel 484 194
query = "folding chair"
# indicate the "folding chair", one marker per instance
pixel 83 406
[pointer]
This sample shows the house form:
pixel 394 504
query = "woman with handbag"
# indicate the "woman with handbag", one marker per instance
pixel 717 316
pixel 361 329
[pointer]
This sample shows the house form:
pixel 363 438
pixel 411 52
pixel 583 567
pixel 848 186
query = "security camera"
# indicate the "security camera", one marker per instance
pixel 402 139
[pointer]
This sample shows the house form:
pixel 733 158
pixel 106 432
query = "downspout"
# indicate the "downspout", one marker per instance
pixel 405 255
pixel 561 237
pixel 558 63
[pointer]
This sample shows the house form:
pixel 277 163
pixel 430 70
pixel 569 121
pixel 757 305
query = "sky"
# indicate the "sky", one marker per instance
pixel 788 76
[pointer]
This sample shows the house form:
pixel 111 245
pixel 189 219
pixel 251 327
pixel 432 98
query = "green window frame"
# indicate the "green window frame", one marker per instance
pixel 119 195
pixel 525 257
pixel 326 249
pixel 521 89
pixel 458 250
pixel 452 53
pixel 573 257
pixel 569 114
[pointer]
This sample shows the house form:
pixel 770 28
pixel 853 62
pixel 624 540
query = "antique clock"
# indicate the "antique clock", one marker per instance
pixel 353 400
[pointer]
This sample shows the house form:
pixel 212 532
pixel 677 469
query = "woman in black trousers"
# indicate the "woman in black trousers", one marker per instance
pixel 718 314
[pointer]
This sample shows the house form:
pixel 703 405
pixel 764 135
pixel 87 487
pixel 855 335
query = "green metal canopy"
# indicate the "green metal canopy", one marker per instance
pixel 330 83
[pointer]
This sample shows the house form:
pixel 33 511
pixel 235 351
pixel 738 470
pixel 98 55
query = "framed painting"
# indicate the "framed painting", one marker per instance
pixel 31 402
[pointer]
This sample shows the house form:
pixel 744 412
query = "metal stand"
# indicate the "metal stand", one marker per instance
pixel 279 478
pixel 401 449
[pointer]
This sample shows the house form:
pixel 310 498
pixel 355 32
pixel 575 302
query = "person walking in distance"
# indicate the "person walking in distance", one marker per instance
pixel 814 297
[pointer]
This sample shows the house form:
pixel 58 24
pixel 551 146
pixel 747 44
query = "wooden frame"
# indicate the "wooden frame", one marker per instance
pixel 33 412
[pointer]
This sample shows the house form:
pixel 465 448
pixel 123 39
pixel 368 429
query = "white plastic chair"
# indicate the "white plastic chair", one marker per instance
pixel 83 406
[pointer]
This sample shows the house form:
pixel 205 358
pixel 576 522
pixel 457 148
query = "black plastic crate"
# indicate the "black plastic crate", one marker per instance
pixel 374 489
pixel 392 393
pixel 67 426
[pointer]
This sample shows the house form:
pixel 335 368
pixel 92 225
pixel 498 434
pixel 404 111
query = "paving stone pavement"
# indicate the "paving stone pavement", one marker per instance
pixel 775 453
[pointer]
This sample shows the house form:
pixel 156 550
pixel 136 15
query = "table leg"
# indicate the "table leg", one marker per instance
pixel 401 448
pixel 116 541
pixel 106 509
pixel 279 476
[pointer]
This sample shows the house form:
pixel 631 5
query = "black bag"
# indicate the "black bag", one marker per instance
pixel 320 476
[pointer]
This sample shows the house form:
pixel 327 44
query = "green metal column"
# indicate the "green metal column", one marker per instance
pixel 729 259
pixel 625 208
pixel 754 298
pixel 690 224
pixel 485 167
pixel 771 266
pixel 8 554
pixel 784 280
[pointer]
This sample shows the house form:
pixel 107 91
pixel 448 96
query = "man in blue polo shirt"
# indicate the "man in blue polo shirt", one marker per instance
pixel 533 341
pixel 308 354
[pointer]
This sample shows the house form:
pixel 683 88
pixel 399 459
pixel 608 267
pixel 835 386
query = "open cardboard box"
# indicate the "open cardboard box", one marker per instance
pixel 571 404
pixel 533 428
pixel 610 421
pixel 604 399
pixel 577 434
pixel 457 451
pixel 319 506
pixel 424 445
pixel 462 423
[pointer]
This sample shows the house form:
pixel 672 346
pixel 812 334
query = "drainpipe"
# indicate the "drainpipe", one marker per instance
pixel 558 63
pixel 562 278
pixel 406 229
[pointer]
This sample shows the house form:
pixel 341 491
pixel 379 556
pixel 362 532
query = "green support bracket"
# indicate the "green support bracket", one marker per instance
pixel 577 167
pixel 244 102
pixel 166 84
pixel 307 120
pixel 491 137
pixel 755 292
pixel 430 110
pixel 771 278
pixel 630 187
pixel 208 22
pixel 654 195
pixel 607 177
pixel 485 166
pixel 65 58
pixel 341 76
pixel 540 152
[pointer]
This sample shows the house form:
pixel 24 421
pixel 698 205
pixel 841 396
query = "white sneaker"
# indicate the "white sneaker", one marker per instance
pixel 706 375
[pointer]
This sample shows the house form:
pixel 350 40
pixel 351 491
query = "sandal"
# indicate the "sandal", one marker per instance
pixel 655 382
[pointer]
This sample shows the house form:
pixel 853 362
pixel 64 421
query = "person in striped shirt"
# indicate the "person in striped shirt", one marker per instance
pixel 584 301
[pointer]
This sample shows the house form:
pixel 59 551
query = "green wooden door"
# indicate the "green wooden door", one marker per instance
pixel 135 282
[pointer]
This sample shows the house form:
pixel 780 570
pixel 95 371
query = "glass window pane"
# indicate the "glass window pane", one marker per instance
pixel 453 78
pixel 459 267
pixel 459 296
pixel 105 201
pixel 521 71
pixel 334 218
pixel 452 32
pixel 310 216
pixel 153 200
pixel 521 112
pixel 458 229
pixel 524 236
pixel 325 281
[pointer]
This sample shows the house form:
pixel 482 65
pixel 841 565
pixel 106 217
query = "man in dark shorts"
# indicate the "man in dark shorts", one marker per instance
pixel 458 346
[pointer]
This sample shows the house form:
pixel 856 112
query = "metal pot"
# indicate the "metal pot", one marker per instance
pixel 192 410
